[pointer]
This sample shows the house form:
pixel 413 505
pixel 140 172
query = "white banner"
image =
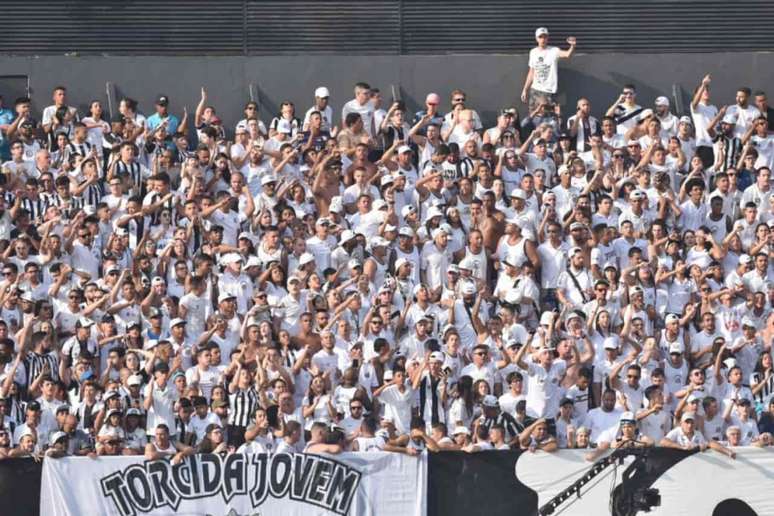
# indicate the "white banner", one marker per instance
pixel 287 485
pixel 693 486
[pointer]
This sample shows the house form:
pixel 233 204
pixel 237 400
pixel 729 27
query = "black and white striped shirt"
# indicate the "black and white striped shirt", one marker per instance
pixel 242 404
pixel 34 364
pixel 35 207
pixel 77 149
pixel 135 173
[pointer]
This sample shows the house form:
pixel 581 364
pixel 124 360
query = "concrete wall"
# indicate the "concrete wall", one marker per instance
pixel 491 81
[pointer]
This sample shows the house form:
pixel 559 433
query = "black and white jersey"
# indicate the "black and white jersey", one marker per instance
pixel 242 405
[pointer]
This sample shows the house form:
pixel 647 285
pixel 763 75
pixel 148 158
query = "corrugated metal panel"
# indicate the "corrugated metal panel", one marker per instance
pixel 320 27
pixel 602 26
pixel 132 27
pixel 233 27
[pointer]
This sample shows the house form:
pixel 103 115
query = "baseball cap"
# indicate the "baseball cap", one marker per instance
pixel 400 262
pixel 461 430
pixel 387 180
pixel 746 321
pixel 404 148
pixel 56 436
pixel 662 101
pixel 305 258
pixel 354 263
pixel 113 412
pixel 293 279
pixel 176 321
pixel 434 211
pixel 134 380
pixel 745 259
pixel 518 193
pixel 162 100
pixel 675 347
pixel 225 296
pixel 541 31
pixel 268 178
pixel 133 412
pixel 27 296
pixel 84 322
pixel 322 92
pixel 436 356
pixel 490 401
pixel 688 416
pixel 468 289
pixel 627 417
pixel 728 119
pixel 407 210
pixel 671 318
pixel 406 232
pixel 566 401
pixel 610 343
pixel 685 119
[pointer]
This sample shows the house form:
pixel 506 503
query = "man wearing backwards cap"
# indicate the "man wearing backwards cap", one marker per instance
pixel 542 80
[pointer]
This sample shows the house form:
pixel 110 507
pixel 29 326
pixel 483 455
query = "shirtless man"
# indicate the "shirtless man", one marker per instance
pixel 491 223
pixel 306 335
pixel 326 182
pixel 360 160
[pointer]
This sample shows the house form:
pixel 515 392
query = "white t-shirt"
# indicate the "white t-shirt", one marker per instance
pixel 544 63
pixel 702 115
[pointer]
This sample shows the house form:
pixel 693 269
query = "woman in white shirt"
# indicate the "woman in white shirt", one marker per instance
pixel 318 404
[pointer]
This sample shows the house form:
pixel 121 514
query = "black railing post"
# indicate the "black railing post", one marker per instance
pixel 401 35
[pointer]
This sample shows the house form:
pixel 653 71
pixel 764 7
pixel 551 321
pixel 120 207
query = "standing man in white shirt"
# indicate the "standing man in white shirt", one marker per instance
pixel 542 80
pixel 361 105
pixel 703 113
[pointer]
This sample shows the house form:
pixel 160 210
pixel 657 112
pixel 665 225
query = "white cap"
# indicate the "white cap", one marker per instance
pixel 468 289
pixel 433 211
pixel 729 119
pixel 305 258
pixel 490 401
pixel 627 417
pixel 322 92
pixel 518 193
pixel 671 318
pixel 406 231
pixel 662 101
pixel 253 261
pixel 268 178
pixel 407 210
pixel 387 377
pixel 224 296
pixel 176 321
pixel 54 437
pixel 685 119
pixel 232 258
pixel 158 280
pixel 676 347
pixel 461 430
pixel 354 262
pixel 610 342
pixel 466 263
pixel 436 356
pixel 337 205
pixel 134 380
pixel 386 180
pixel 687 416
pixel 346 236
pixel 379 204
pixel 541 31
pixel 85 322
pixel 404 148
pixel 133 412
pixel 746 321
pixel 545 319
pixel 400 262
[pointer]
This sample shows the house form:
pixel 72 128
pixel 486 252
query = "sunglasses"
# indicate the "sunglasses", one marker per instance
pixel 617 156
pixel 461 99
pixel 480 353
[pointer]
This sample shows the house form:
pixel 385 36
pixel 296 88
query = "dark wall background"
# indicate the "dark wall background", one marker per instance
pixel 491 81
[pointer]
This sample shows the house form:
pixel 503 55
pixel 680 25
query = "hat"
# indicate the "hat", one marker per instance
pixel 224 296
pixel 56 436
pixel 627 417
pixel 518 193
pixel 434 211
pixel 545 319
pixel 490 401
pixel 110 395
pixel 354 263
pixel 563 169
pixel 112 268
pixel 283 126
pixel 633 142
pixel 746 321
pixel 133 412
pixel 406 232
pixel 158 280
pixel 574 251
pixel 387 180
pixel 305 258
pixel 577 225
pixel 541 31
pixel 662 101
pixel 437 356
pixel 433 98
pixel 27 296
pixel 346 236
pixel 134 380
pixel 378 241
pixel 212 427
pixel 745 259
pixel 728 119
pixel 379 204
pixel 635 290
pixel 466 263
pixel 113 412
pixel 400 262
pixel 692 397
pixel 610 342
pixel 688 416
pixel 337 205
pixel 671 318
pixel 64 407
pixel 635 194
pixel 162 100
pixel 387 375
pixel 293 279
pixel 404 148
pixel 468 289
pixel 686 120
pixel 232 258
pixel 407 210
pixel 461 430
pixel 610 265
pixel 453 268
pixel 176 321
pixel 566 401
pixel 153 312
pixel 219 404
pixel 676 348
pixel 268 178
pixel 322 92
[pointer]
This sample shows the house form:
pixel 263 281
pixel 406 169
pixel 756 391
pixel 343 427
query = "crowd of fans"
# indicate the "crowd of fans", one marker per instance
pixel 364 278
